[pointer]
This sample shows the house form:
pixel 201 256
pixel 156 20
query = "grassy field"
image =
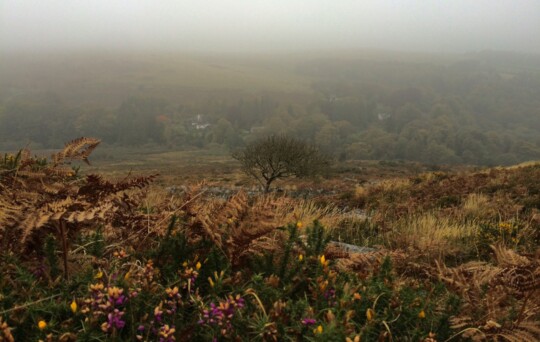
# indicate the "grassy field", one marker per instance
pixel 217 167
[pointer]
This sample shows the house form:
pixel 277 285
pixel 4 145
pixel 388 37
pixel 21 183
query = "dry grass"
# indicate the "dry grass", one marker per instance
pixel 524 164
pixel 395 184
pixel 431 176
pixel 360 192
pixel 158 198
pixel 306 211
pixel 477 206
pixel 434 236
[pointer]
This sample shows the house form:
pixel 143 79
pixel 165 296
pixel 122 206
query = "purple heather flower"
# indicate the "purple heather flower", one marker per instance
pixel 158 314
pixel 308 321
pixel 115 319
pixel 39 271
pixel 330 293
pixel 118 301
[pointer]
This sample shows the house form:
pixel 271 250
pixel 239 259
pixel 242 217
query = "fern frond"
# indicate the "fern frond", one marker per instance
pixel 59 171
pixel 528 334
pixel 238 226
pixel 506 257
pixel 78 149
pixel 91 214
pixel 96 188
pixel 250 226
pixel 29 174
pixel 521 278
pixel 53 188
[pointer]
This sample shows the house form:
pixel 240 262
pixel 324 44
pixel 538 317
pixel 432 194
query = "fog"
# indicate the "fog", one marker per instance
pixel 277 25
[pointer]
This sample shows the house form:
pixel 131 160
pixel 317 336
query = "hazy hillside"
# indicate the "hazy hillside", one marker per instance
pixel 477 109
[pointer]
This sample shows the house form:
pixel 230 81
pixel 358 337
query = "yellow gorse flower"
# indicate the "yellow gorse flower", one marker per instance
pixel 505 226
pixel 299 224
pixel 99 275
pixel 323 285
pixel 318 330
pixel 300 257
pixel 73 306
pixel 218 277
pixel 198 266
pixel 171 292
pixel 323 261
pixel 422 314
pixel 42 325
pixel 127 276
pixel 370 314
pixel 114 292
pixel 96 287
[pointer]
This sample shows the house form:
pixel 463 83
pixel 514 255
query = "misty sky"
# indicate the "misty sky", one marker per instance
pixel 265 25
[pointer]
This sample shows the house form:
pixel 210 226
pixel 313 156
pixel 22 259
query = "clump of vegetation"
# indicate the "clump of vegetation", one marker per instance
pixel 41 197
pixel 199 267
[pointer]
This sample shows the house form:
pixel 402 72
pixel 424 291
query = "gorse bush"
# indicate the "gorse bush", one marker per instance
pixel 132 299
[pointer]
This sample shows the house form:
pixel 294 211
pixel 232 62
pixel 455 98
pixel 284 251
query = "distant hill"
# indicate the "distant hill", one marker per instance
pixel 479 108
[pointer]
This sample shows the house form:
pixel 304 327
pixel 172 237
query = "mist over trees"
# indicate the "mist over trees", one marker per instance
pixel 478 109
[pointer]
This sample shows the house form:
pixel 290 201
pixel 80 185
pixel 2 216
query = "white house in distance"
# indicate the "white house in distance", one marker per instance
pixel 383 116
pixel 199 124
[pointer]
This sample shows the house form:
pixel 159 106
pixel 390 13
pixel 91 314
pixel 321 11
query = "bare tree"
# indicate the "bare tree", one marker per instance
pixel 276 157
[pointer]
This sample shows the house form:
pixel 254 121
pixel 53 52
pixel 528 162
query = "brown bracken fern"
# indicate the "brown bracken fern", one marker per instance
pixel 40 197
pixel 363 263
pixel 238 226
pixel 488 291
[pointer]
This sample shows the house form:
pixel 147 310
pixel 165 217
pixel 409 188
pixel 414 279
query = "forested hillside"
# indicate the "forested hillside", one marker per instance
pixel 481 108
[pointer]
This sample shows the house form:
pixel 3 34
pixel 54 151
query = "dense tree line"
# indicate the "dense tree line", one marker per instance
pixel 464 112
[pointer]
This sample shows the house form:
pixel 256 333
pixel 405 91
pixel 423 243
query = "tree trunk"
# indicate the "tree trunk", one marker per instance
pixel 267 186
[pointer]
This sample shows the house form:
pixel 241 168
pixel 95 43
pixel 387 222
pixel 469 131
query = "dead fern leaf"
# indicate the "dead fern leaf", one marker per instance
pixel 238 226
pixel 487 291
pixel 506 257
pixel 78 149
pixel 529 332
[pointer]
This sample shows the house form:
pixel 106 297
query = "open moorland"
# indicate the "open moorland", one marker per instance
pixel 348 171
pixel 371 251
